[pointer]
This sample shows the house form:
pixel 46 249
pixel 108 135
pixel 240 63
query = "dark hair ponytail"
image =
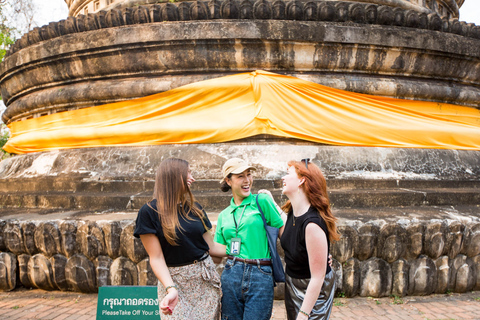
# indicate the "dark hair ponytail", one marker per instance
pixel 224 185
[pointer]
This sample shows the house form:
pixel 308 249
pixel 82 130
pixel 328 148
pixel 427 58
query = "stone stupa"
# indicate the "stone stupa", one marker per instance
pixel 409 218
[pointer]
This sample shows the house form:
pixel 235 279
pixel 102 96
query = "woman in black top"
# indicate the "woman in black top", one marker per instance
pixel 174 230
pixel 310 282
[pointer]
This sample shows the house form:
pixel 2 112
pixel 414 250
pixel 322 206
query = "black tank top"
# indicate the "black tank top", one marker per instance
pixel 293 243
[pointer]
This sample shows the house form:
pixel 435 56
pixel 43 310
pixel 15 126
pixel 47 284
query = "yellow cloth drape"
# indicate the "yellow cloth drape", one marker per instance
pixel 248 104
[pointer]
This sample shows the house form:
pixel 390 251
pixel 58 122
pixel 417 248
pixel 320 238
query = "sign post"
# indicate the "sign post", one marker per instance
pixel 127 303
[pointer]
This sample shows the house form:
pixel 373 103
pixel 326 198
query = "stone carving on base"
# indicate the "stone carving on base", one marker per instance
pixel 344 248
pixel 400 272
pixel 47 238
pixel 59 263
pixel 123 272
pixel 375 278
pixel 112 231
pixel 91 240
pixel 68 232
pixel 80 274
pixel 367 237
pixel 14 238
pixel 8 271
pixel 435 239
pixel 351 277
pixel 23 275
pixel 40 272
pixel 130 246
pixel 29 228
pixel 146 277
pixel 422 277
pixel 443 274
pixel 102 270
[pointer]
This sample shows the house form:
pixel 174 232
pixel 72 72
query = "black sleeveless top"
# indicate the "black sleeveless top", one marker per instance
pixel 293 243
pixel 191 244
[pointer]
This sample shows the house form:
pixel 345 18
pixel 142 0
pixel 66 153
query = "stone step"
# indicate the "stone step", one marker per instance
pixel 82 185
pixel 217 200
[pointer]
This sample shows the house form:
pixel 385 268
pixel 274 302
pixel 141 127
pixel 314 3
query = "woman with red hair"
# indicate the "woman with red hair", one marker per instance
pixel 310 226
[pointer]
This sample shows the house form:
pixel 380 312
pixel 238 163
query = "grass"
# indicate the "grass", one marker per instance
pixel 397 299
pixel 338 303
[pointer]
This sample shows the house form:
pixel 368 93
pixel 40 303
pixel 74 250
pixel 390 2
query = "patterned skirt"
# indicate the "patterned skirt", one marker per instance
pixel 295 290
pixel 199 291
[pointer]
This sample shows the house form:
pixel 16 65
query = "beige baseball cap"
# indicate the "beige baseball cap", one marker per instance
pixel 235 166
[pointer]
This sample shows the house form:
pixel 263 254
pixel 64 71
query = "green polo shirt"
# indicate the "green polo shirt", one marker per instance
pixel 250 229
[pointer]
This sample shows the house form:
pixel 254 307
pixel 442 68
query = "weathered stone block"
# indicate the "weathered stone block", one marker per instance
pixel 344 249
pixel 414 240
pixel 28 228
pixel 338 269
pixel 476 261
pixel 68 238
pixel 375 278
pixel 435 238
pixel 130 246
pixel 351 277
pixel 146 277
pixel 23 275
pixel 112 231
pixel 455 235
pixel 8 271
pixel 463 274
pixel 443 274
pixel 472 240
pixel 3 224
pixel 102 270
pixel 391 242
pixel 367 241
pixel 14 238
pixel 400 272
pixel 41 272
pixel 47 238
pixel 80 274
pixel 123 272
pixel 91 240
pixel 59 263
pixel 422 278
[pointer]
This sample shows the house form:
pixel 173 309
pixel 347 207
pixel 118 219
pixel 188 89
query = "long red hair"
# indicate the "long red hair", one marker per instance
pixel 315 188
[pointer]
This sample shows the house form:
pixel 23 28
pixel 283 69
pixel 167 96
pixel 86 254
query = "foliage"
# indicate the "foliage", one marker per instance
pixel 4 135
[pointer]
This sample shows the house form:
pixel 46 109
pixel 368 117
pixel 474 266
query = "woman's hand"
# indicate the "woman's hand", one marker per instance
pixel 301 316
pixel 266 192
pixel 169 302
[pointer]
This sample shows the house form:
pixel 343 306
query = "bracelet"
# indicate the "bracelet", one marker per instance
pixel 301 311
pixel 172 286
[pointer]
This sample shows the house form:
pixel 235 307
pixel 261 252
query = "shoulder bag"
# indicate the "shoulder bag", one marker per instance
pixel 272 235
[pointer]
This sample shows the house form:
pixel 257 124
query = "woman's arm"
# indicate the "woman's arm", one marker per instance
pixel 160 269
pixel 217 250
pixel 282 213
pixel 317 249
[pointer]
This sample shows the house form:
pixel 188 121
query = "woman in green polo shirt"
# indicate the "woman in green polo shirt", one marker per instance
pixel 247 280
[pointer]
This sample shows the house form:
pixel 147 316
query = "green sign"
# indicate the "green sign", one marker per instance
pixel 128 303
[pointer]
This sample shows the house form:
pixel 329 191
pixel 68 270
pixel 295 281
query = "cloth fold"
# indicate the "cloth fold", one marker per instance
pixel 248 104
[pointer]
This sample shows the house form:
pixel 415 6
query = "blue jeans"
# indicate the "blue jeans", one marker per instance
pixel 247 291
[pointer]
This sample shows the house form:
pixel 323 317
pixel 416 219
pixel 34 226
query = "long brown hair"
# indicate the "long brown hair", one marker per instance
pixel 174 196
pixel 315 188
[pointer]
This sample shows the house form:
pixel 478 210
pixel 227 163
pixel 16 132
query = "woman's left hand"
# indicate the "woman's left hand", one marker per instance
pixel 169 302
pixel 301 316
pixel 266 192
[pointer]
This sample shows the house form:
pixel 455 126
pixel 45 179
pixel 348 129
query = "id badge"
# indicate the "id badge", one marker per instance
pixel 235 245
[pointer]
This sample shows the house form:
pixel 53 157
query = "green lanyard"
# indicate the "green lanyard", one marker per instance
pixel 241 216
